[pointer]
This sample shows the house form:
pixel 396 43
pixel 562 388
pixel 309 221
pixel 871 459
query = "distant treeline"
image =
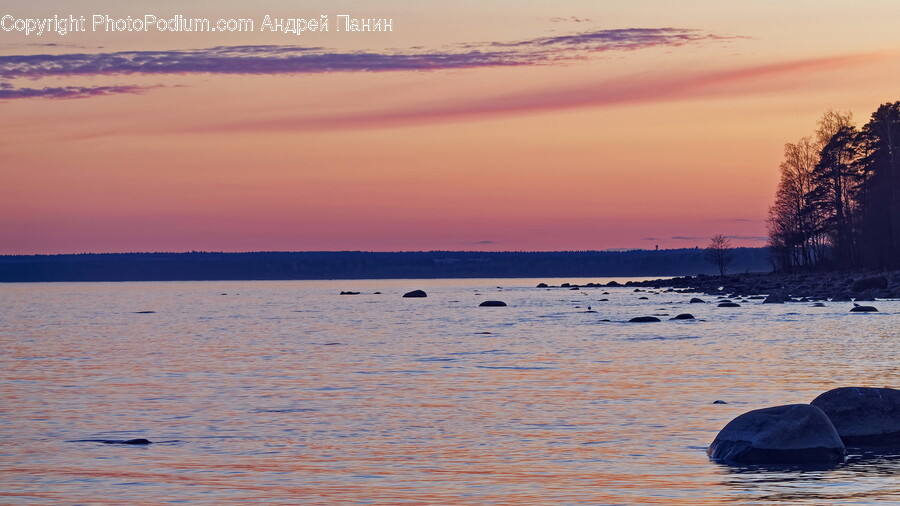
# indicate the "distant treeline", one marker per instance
pixel 201 266
pixel 838 200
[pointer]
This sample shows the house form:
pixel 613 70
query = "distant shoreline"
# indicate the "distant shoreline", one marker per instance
pixel 211 266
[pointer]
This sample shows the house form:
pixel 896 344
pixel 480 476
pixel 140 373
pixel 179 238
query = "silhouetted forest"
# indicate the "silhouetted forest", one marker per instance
pixel 367 265
pixel 838 201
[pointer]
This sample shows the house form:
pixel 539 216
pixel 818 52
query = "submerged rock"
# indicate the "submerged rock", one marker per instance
pixel 349 293
pixel 863 309
pixel 140 441
pixel 415 293
pixel 684 316
pixel 492 303
pixel 644 319
pixel 784 435
pixel 863 416
pixel 696 300
pixel 719 401
pixel 729 304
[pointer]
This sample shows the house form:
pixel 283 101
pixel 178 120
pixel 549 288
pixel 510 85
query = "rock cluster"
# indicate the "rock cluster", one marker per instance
pixel 815 433
pixel 836 286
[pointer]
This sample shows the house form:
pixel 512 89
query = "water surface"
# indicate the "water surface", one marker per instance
pixel 288 393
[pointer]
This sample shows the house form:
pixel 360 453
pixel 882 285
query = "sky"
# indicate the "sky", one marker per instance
pixel 496 126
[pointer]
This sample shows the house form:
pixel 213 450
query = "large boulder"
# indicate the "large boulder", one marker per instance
pixel 781 435
pixel 415 293
pixel 863 416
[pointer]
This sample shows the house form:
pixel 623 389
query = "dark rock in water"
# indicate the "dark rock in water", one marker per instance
pixel 863 309
pixel 613 283
pixel 863 416
pixel 376 293
pixel 642 298
pixel 818 304
pixel 144 312
pixel 876 283
pixel 729 304
pixel 565 285
pixel 605 320
pixel 695 300
pixel 349 293
pixel 684 316
pixel 783 435
pixel 575 288
pixel 756 297
pixel 543 285
pixel 140 441
pixel 603 300
pixel 719 401
pixel 644 319
pixel 492 303
pixel 415 293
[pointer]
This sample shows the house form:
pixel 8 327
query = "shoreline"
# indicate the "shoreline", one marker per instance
pixel 795 287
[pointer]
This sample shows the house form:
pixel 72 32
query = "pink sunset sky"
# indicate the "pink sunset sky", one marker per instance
pixel 502 125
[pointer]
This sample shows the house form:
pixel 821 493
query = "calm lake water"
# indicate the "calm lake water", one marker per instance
pixel 288 393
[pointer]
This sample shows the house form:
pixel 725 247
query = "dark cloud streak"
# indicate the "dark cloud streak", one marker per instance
pixel 9 92
pixel 280 60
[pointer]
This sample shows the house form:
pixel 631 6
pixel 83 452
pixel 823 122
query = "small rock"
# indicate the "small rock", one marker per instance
pixel 863 309
pixel 415 293
pixel 696 300
pixel 349 293
pixel 684 316
pixel 719 401
pixel 644 319
pixel 492 303
pixel 729 304
pixel 542 285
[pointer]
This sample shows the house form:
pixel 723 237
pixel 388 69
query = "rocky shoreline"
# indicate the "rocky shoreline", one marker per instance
pixel 820 286
pixel 835 286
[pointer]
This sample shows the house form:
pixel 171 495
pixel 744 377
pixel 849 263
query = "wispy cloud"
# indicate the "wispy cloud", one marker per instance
pixel 653 87
pixel 7 91
pixel 748 238
pixel 279 60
